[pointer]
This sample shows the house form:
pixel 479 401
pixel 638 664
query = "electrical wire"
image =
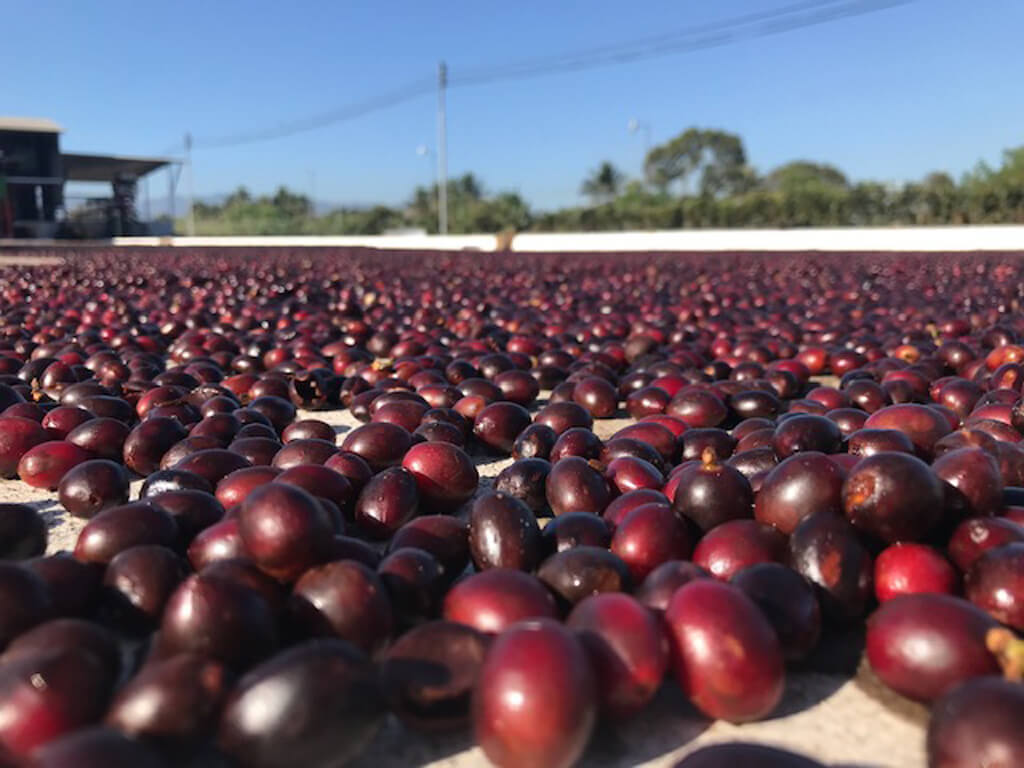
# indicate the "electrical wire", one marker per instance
pixel 698 37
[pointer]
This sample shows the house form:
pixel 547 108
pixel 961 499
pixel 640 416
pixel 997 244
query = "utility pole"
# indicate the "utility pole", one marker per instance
pixel 191 188
pixel 442 151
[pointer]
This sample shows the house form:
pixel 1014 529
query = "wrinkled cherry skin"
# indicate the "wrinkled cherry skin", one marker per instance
pixel 906 568
pixel 738 681
pixel 494 599
pixel 923 645
pixel 627 649
pixel 535 703
pixel 978 724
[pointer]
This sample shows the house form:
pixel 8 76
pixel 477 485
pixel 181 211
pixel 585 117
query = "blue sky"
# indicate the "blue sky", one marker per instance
pixel 892 95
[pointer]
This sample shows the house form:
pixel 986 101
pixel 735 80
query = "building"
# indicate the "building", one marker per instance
pixel 33 172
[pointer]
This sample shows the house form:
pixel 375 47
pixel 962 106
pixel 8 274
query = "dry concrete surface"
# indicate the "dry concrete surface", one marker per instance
pixel 834 710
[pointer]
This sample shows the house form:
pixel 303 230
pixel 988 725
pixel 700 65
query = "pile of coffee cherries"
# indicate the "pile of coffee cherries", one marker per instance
pixel 805 447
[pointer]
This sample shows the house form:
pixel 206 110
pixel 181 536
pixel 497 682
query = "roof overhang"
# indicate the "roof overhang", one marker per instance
pixel 78 167
pixel 29 125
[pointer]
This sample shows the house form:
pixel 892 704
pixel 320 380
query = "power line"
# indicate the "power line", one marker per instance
pixel 719 36
pixel 698 37
pixel 612 49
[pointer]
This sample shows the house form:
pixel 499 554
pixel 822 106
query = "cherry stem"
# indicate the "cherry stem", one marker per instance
pixel 1009 650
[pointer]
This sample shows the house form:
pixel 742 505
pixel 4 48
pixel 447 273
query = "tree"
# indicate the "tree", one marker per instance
pixel 717 156
pixel 603 184
pixel 800 173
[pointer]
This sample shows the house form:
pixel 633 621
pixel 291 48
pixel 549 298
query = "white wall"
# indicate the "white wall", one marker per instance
pixel 981 238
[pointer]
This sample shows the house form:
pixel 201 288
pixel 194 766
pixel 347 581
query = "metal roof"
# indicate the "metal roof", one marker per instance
pixel 29 125
pixel 79 167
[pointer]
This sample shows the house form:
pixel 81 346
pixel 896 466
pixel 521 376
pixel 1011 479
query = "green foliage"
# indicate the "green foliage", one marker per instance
pixel 603 184
pixel 700 178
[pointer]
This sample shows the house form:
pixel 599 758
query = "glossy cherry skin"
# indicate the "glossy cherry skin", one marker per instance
pixel 575 529
pixel 220 541
pixel 579 572
pixel 305 451
pixel 503 533
pixel 789 603
pixel 147 443
pixel 218 618
pixel 77 687
pixel 492 600
pixel 536 441
pixel 802 484
pixel 428 674
pixel 648 536
pixel 317 703
pixel 532 668
pixel 415 582
pixel 626 647
pixel 974 484
pixel 923 645
pixel 381 445
pixel 573 485
pixel 977 723
pixel 977 535
pixel 345 599
pixel 995 583
pixel 893 496
pixel 867 442
pixel 499 424
pixel 283 529
pixel 710 493
pixel 825 549
pixel 171 703
pixel 445 537
pixel 924 426
pixel 43 465
pixel 387 502
pixel 906 568
pixel 136 585
pixel 806 432
pixel 526 480
pixel 445 475
pixel 119 528
pixel 661 583
pixel 17 436
pixel 737 681
pixel 738 544
pixel 93 486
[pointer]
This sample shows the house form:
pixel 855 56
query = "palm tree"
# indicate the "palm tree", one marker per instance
pixel 603 184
